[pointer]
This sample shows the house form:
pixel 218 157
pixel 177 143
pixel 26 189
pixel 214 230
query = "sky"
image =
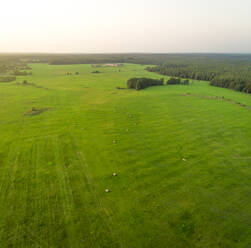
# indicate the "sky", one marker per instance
pixel 124 26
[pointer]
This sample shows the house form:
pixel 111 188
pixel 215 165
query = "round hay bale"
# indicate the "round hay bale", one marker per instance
pixel 107 190
pixel 114 174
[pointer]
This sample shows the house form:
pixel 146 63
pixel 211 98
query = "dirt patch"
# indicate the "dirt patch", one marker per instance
pixel 218 98
pixel 36 111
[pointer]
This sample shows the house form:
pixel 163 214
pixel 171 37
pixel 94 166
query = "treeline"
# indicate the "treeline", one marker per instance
pixel 174 60
pixel 192 72
pixel 142 83
pixel 209 61
pixel 235 82
pixel 232 75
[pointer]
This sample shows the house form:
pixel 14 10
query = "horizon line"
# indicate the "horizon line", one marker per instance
pixel 107 53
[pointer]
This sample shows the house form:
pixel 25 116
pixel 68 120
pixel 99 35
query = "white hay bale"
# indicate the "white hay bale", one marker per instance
pixel 114 174
pixel 107 190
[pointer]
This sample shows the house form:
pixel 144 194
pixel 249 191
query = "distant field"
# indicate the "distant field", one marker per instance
pixel 182 155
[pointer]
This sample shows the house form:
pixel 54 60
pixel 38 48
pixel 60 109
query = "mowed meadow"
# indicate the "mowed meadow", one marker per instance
pixel 182 156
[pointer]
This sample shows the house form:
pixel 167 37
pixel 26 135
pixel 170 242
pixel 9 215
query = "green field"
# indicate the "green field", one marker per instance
pixel 182 162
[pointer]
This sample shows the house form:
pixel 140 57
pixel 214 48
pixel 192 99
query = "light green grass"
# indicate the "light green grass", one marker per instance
pixel 55 166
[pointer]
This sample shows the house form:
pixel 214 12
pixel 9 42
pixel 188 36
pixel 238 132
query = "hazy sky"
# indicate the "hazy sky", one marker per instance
pixel 89 26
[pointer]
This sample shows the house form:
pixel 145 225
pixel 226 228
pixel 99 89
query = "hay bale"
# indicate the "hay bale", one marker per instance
pixel 107 190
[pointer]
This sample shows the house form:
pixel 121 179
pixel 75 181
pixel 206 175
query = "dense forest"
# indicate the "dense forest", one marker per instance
pixel 233 74
pixel 223 70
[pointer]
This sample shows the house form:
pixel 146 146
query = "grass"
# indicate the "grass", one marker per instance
pixel 56 165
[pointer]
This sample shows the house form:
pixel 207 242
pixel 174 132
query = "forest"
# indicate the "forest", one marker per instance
pixel 232 74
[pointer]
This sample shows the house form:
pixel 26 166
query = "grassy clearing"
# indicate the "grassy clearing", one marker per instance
pixel 182 162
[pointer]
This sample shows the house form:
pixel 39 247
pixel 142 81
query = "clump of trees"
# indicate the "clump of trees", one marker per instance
pixel 173 80
pixel 142 83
